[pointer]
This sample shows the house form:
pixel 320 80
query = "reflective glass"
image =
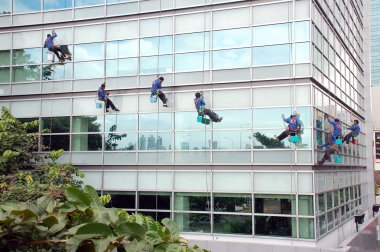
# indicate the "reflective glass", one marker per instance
pixel 155 121
pixel 321 203
pixel 304 115
pixel 26 56
pixel 192 42
pixel 272 34
pixel 155 64
pixel 57 72
pixel 120 67
pixel 271 55
pixel 152 200
pixel 193 222
pixel 306 228
pixel 187 120
pixel 93 69
pixel 264 139
pixel 57 4
pixel 302 53
pixel 275 204
pixel 305 139
pixel 235 119
pixel 86 52
pixel 192 201
pixel 193 140
pixel 232 224
pixel 231 38
pixel 234 203
pixel 121 199
pixel 149 46
pixel 123 48
pixel 87 2
pixel 275 226
pixel 120 123
pixel 56 124
pixel 192 62
pixel 5 58
pixel 45 52
pixel 87 124
pixel 155 141
pixel 84 142
pixel 302 31
pixel 269 117
pixel 157 216
pixel 20 6
pixel 26 73
pixel 231 58
pixel 305 205
pixel 5 7
pixel 120 142
pixel 55 142
pixel 231 140
pixel 5 74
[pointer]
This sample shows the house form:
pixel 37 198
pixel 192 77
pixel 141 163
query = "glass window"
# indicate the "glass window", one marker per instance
pixel 231 139
pixel 121 199
pixel 272 13
pixel 193 140
pixel 55 142
pixel 26 73
pixel 120 67
pixel 271 55
pixel 193 222
pixel 92 69
pixel 237 17
pixel 30 129
pixel 275 204
pixel 264 139
pixel 192 201
pixel 56 124
pixel 87 124
pixel 302 31
pixel 192 62
pixel 302 53
pixel 231 58
pixel 86 142
pixel 120 123
pixel 149 46
pixel 321 203
pixel 5 7
pixel 147 141
pixel 187 120
pixel 275 226
pixel 157 216
pixel 87 2
pixel 57 71
pixel 26 56
pixel 5 74
pixel 305 205
pixel 57 4
pixel 26 5
pixel 269 117
pixel 192 42
pixel 231 38
pixel 155 64
pixel 234 203
pixel 123 48
pixel 232 224
pixel 85 52
pixel 45 52
pixel 152 200
pixel 120 142
pixel 5 57
pixel 155 121
pixel 306 228
pixel 272 34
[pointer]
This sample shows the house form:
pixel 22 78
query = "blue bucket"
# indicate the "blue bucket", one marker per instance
pixel 294 139
pixel 153 99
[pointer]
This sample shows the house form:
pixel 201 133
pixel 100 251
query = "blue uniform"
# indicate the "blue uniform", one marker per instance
pixel 293 122
pixel 355 129
pixel 156 85
pixel 49 42
pixel 101 94
pixel 199 102
pixel 332 141
pixel 337 128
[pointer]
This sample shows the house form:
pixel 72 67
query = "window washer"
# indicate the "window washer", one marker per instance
pixel 156 90
pixel 49 43
pixel 200 106
pixel 103 96
pixel 355 130
pixel 332 148
pixel 337 124
pixel 293 128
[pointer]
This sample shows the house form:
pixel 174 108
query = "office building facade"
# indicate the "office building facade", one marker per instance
pixel 252 60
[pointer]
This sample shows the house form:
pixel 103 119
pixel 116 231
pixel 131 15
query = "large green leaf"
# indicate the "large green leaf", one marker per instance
pixel 172 227
pixel 153 238
pixel 95 229
pixel 46 204
pixel 10 205
pixel 139 246
pixel 102 245
pixel 132 230
pixel 73 243
pixel 93 195
pixel 50 221
pixel 176 248
pixel 56 228
pixel 161 247
pixel 79 198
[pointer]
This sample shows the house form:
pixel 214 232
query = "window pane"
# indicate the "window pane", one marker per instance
pixel 192 42
pixel 121 199
pixel 231 58
pixel 305 205
pixel 122 48
pixel 149 46
pixel 147 141
pixel 275 226
pixel 87 124
pixel 192 222
pixel 120 123
pixel 5 74
pixel 302 31
pixel 5 58
pixel 88 51
pixel 302 53
pixel 5 7
pixel 192 62
pixel 57 142
pixel 152 200
pixel 26 5
pixel 194 140
pixel 231 38
pixel 272 34
pixel 56 124
pixel 188 120
pixel 269 117
pixel 26 73
pixel 153 121
pixel 321 203
pixel 264 139
pixel 231 140
pixel 57 4
pixel 87 2
pixel 155 64
pixel 26 56
pixel 57 72
pixel 84 70
pixel 271 55
pixel 232 224
pixel 120 142
pixel 234 203
pixel 84 142
pixel 192 201
pixel 306 227
pixel 275 204
pixel 120 67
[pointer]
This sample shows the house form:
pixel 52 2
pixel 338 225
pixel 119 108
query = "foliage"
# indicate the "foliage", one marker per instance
pixel 268 142
pixel 83 224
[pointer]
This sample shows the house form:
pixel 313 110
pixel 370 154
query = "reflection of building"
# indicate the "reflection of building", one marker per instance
pixel 185 146
pixel 151 143
pixel 142 142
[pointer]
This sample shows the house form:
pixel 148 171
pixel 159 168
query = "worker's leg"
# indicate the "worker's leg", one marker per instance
pixel 283 135
pixel 213 116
